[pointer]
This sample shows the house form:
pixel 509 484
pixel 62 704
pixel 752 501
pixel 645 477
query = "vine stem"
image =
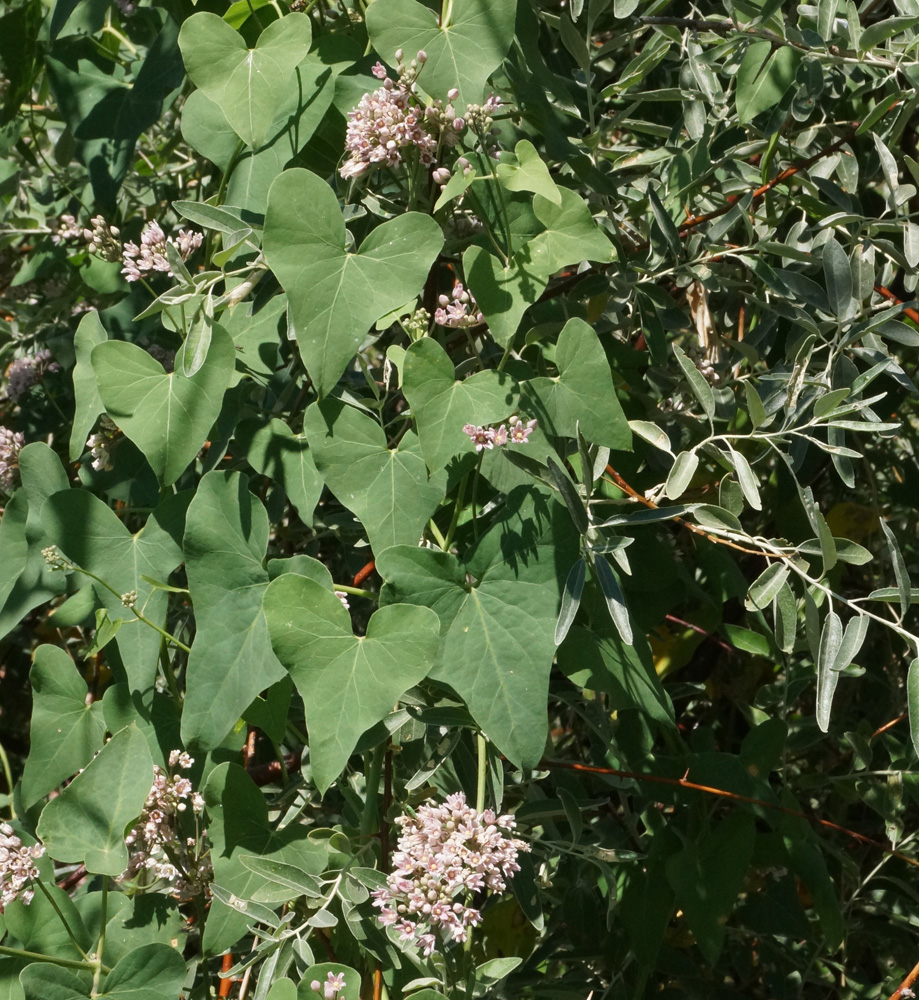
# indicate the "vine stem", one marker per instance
pixel 8 774
pixel 482 775
pixel 41 885
pixel 100 947
pixel 64 963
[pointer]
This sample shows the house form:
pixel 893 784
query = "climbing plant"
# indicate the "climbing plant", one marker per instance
pixel 458 468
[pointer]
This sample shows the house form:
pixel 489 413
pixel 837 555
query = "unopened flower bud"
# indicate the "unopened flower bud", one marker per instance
pixel 399 54
pixel 441 175
pixel 452 94
pixel 422 56
pixel 459 124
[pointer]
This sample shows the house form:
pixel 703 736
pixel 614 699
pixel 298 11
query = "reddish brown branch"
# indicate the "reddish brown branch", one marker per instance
pixel 266 774
pixel 361 575
pixel 889 295
pixel 905 988
pixel 734 797
pixel 223 990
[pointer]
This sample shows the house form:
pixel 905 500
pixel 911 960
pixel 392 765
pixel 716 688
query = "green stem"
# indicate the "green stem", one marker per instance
pixel 65 963
pixel 100 947
pixel 357 591
pixel 139 615
pixel 482 775
pixel 435 531
pixel 63 919
pixel 475 486
pixel 369 818
pixel 457 510
pixel 170 676
pixel 8 774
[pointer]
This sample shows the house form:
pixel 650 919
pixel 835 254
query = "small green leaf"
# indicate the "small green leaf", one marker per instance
pixel 503 293
pixel 827 677
pixel 838 276
pixel 899 567
pixel 680 475
pixel 746 478
pixel 529 173
pixel 785 613
pixel 766 586
pixel 571 600
pixel 570 495
pixel 766 73
pixel 700 387
pixel 87 402
pixel 570 236
pixel 664 223
pixel 615 601
pixel 912 698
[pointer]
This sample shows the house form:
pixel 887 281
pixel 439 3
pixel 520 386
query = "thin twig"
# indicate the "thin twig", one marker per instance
pixel 684 782
pixel 905 988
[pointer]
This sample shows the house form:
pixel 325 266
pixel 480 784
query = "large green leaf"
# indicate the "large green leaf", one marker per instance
pixel 65 731
pixel 462 53
pixel 442 406
pixel 87 402
pixel 168 416
pixel 337 296
pixel 87 821
pixel 239 827
pixel 89 533
pixel 582 394
pixel 49 982
pixel 231 661
pixel 388 490
pixel 497 616
pixel 249 85
pixel 504 293
pixel 348 683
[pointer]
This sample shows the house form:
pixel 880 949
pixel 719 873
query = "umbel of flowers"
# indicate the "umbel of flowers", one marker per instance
pixel 156 842
pixel 391 120
pixel 17 867
pixel 516 431
pixel 446 855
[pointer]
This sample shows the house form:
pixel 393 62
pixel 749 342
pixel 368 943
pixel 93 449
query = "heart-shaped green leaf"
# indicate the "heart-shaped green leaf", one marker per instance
pixel 497 632
pixel 231 660
pixel 462 53
pixel 151 972
pixel 168 416
pixel 336 296
pixel 65 731
pixel 529 173
pixel 348 683
pixel 250 85
pixel 504 293
pixel 582 394
pixel 389 491
pixel 570 236
pixel 442 406
pixel 73 827
pixel 89 532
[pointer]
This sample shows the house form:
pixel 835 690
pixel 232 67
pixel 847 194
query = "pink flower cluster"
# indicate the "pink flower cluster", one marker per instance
pixel 151 254
pixel 445 853
pixel 488 438
pixel 391 119
pixel 156 843
pixel 11 443
pixel 459 309
pixel 333 985
pixel 25 372
pixel 17 867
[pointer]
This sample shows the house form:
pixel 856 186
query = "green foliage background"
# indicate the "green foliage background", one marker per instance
pixel 674 632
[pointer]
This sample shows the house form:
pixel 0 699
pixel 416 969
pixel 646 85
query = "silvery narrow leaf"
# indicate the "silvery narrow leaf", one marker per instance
pixel 571 600
pixel 827 677
pixel 614 599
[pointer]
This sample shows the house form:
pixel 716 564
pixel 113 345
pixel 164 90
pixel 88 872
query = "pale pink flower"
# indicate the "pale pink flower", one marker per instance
pixel 521 430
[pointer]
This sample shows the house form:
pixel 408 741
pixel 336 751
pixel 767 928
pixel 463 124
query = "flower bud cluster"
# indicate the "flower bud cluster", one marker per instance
pixel 517 431
pixel 100 444
pixel 103 240
pixel 23 373
pixel 459 309
pixel 417 325
pixel 17 867
pixel 11 443
pixel 55 559
pixel 67 229
pixel 331 988
pixel 151 254
pixel 444 854
pixel 442 174
pixel 392 119
pixel 156 844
